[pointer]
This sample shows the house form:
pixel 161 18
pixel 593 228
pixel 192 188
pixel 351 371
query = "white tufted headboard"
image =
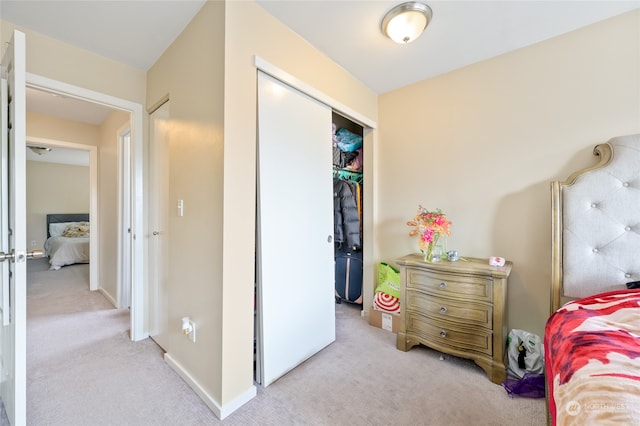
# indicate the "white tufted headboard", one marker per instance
pixel 596 224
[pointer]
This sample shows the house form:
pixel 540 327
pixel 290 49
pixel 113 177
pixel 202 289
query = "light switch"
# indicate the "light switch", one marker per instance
pixel 180 208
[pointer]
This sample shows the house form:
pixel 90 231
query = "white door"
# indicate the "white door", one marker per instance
pixel 125 227
pixel 295 267
pixel 158 222
pixel 13 387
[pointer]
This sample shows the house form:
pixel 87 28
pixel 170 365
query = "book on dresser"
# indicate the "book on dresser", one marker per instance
pixel 457 308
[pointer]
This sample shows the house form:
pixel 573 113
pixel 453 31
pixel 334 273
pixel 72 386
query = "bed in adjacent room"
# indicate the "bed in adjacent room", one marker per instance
pixel 592 338
pixel 68 237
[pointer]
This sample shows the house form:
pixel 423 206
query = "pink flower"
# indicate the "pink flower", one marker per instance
pixel 427 235
pixel 429 226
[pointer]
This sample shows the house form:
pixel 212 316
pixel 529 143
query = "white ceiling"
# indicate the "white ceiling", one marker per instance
pixel 132 32
pixel 74 157
pixel 460 33
pixel 347 31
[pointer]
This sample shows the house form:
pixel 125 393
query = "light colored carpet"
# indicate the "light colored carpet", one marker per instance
pixel 83 370
pixel 362 379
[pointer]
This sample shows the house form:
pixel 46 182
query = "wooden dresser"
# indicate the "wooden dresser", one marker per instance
pixel 456 308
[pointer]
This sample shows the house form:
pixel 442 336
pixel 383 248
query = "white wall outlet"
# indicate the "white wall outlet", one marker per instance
pixel 189 328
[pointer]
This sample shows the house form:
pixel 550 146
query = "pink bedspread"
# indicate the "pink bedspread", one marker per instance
pixel 592 356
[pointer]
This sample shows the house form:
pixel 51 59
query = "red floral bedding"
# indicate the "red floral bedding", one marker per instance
pixel 592 360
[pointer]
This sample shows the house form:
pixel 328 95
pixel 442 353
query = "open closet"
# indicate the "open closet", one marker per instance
pixel 347 152
pixel 297 234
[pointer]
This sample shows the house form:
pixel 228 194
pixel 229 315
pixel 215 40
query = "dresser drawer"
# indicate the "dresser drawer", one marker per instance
pixel 443 335
pixel 461 287
pixel 477 314
pixel 456 308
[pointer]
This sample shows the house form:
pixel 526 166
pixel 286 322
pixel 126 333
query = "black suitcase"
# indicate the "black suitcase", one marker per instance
pixel 348 273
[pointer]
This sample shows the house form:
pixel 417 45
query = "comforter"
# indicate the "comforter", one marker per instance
pixel 592 360
pixel 64 251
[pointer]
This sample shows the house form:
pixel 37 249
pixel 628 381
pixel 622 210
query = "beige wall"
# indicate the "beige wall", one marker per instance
pixel 53 188
pixel 211 81
pixel 48 127
pixel 191 71
pixel 484 142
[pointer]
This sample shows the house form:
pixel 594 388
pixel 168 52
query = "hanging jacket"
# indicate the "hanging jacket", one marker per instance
pixel 345 213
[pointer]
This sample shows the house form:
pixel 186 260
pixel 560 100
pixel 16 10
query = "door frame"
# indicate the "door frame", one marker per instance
pixel 139 232
pixel 124 217
pixel 94 246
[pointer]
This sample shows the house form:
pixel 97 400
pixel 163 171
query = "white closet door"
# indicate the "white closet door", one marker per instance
pixel 159 223
pixel 296 303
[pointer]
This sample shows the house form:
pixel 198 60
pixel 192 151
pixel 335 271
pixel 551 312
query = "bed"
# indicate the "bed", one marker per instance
pixel 592 338
pixel 67 241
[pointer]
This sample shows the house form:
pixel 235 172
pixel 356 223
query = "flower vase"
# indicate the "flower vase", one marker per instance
pixel 433 251
pixel 428 253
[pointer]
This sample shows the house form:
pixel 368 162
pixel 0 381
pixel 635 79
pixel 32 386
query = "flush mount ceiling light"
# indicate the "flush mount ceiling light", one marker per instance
pixel 39 149
pixel 406 21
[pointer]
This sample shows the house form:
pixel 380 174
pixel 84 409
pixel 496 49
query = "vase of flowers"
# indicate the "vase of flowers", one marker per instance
pixel 429 227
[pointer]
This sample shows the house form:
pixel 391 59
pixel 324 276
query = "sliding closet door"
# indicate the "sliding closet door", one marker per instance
pixel 159 224
pixel 296 304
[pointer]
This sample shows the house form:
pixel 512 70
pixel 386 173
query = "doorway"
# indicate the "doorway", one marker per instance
pixel 138 232
pixel 79 155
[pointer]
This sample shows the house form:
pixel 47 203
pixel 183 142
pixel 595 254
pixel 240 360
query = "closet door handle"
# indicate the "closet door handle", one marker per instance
pixel 329 238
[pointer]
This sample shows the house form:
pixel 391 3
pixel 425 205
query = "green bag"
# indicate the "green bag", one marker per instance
pixel 388 280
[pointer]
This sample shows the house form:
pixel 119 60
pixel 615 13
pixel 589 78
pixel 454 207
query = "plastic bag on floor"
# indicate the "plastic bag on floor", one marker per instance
pixel 526 353
pixel 530 386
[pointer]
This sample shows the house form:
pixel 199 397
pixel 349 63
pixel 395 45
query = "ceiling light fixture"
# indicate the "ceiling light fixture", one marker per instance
pixel 39 149
pixel 406 21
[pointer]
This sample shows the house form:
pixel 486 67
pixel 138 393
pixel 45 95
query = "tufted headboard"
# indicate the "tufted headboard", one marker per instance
pixel 596 224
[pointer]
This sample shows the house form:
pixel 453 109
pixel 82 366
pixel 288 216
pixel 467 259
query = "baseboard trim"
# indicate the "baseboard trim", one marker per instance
pixel 220 411
pixel 108 296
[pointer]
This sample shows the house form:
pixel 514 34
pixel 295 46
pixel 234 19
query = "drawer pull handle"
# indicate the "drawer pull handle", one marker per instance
pixel 443 334
pixel 443 310
pixel 443 285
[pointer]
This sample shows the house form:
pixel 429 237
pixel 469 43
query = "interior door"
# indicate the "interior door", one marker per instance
pixel 158 222
pixel 295 266
pixel 13 388
pixel 125 227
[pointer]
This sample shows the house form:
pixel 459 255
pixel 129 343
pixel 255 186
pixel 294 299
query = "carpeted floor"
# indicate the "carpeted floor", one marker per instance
pixel 82 370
